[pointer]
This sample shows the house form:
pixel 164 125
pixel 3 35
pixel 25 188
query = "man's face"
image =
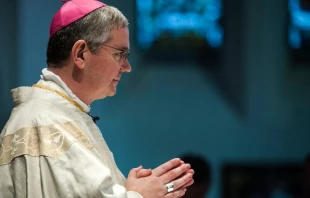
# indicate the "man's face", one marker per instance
pixel 104 69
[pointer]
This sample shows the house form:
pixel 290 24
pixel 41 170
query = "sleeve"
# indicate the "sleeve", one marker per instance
pixel 84 175
pixel 52 162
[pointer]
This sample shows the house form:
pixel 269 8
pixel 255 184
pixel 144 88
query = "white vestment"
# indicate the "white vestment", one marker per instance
pixel 50 148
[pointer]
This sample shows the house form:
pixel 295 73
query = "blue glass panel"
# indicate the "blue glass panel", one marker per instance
pixel 179 19
pixel 299 27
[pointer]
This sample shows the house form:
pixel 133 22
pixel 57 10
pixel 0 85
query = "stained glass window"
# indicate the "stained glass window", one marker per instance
pixel 179 22
pixel 299 28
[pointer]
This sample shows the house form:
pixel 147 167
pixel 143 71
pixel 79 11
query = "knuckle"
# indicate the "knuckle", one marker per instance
pixel 176 161
pixel 185 167
pixel 173 163
pixel 171 174
pixel 165 167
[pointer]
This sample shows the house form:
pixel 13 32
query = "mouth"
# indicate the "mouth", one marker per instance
pixel 116 81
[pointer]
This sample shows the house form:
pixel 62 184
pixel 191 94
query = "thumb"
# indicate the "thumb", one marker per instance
pixel 144 173
pixel 133 172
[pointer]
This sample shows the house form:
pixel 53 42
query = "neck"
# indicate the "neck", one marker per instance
pixel 73 79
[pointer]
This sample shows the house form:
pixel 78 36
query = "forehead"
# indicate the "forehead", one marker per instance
pixel 120 38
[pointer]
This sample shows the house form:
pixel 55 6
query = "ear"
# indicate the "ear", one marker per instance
pixel 77 53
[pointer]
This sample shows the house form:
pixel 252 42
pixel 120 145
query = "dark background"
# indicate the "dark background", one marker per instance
pixel 249 105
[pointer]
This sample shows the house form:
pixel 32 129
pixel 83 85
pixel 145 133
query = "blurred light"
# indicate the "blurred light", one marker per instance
pixel 299 24
pixel 215 37
pixel 178 19
pixel 295 39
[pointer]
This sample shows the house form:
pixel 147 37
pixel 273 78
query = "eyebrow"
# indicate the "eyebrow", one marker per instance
pixel 124 48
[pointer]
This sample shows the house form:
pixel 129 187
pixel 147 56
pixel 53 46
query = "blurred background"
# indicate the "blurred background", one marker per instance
pixel 226 80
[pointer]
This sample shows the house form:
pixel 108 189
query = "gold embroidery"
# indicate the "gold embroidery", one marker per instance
pixel 51 141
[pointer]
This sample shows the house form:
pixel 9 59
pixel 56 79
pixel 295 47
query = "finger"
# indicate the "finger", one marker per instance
pixel 162 169
pixel 175 173
pixel 179 183
pixel 133 172
pixel 190 182
pixel 176 193
pixel 191 171
pixel 144 173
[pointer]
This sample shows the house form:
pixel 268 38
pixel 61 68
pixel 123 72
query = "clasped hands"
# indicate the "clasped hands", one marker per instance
pixel 152 183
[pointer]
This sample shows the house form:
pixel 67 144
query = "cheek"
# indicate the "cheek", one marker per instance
pixel 113 72
pixel 104 71
pixel 108 75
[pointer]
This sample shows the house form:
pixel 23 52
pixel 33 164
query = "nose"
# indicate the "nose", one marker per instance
pixel 126 66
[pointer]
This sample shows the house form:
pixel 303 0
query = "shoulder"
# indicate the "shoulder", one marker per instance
pixel 46 140
pixel 34 109
pixel 39 129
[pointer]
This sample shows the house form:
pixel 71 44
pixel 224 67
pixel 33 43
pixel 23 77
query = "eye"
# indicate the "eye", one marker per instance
pixel 118 56
pixel 125 55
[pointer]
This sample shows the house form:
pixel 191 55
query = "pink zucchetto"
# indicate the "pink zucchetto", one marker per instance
pixel 72 11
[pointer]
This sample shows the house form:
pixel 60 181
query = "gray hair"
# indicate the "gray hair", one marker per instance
pixel 95 28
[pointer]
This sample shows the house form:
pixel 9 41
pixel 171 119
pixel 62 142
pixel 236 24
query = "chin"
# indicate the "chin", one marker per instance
pixel 106 95
pixel 112 94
